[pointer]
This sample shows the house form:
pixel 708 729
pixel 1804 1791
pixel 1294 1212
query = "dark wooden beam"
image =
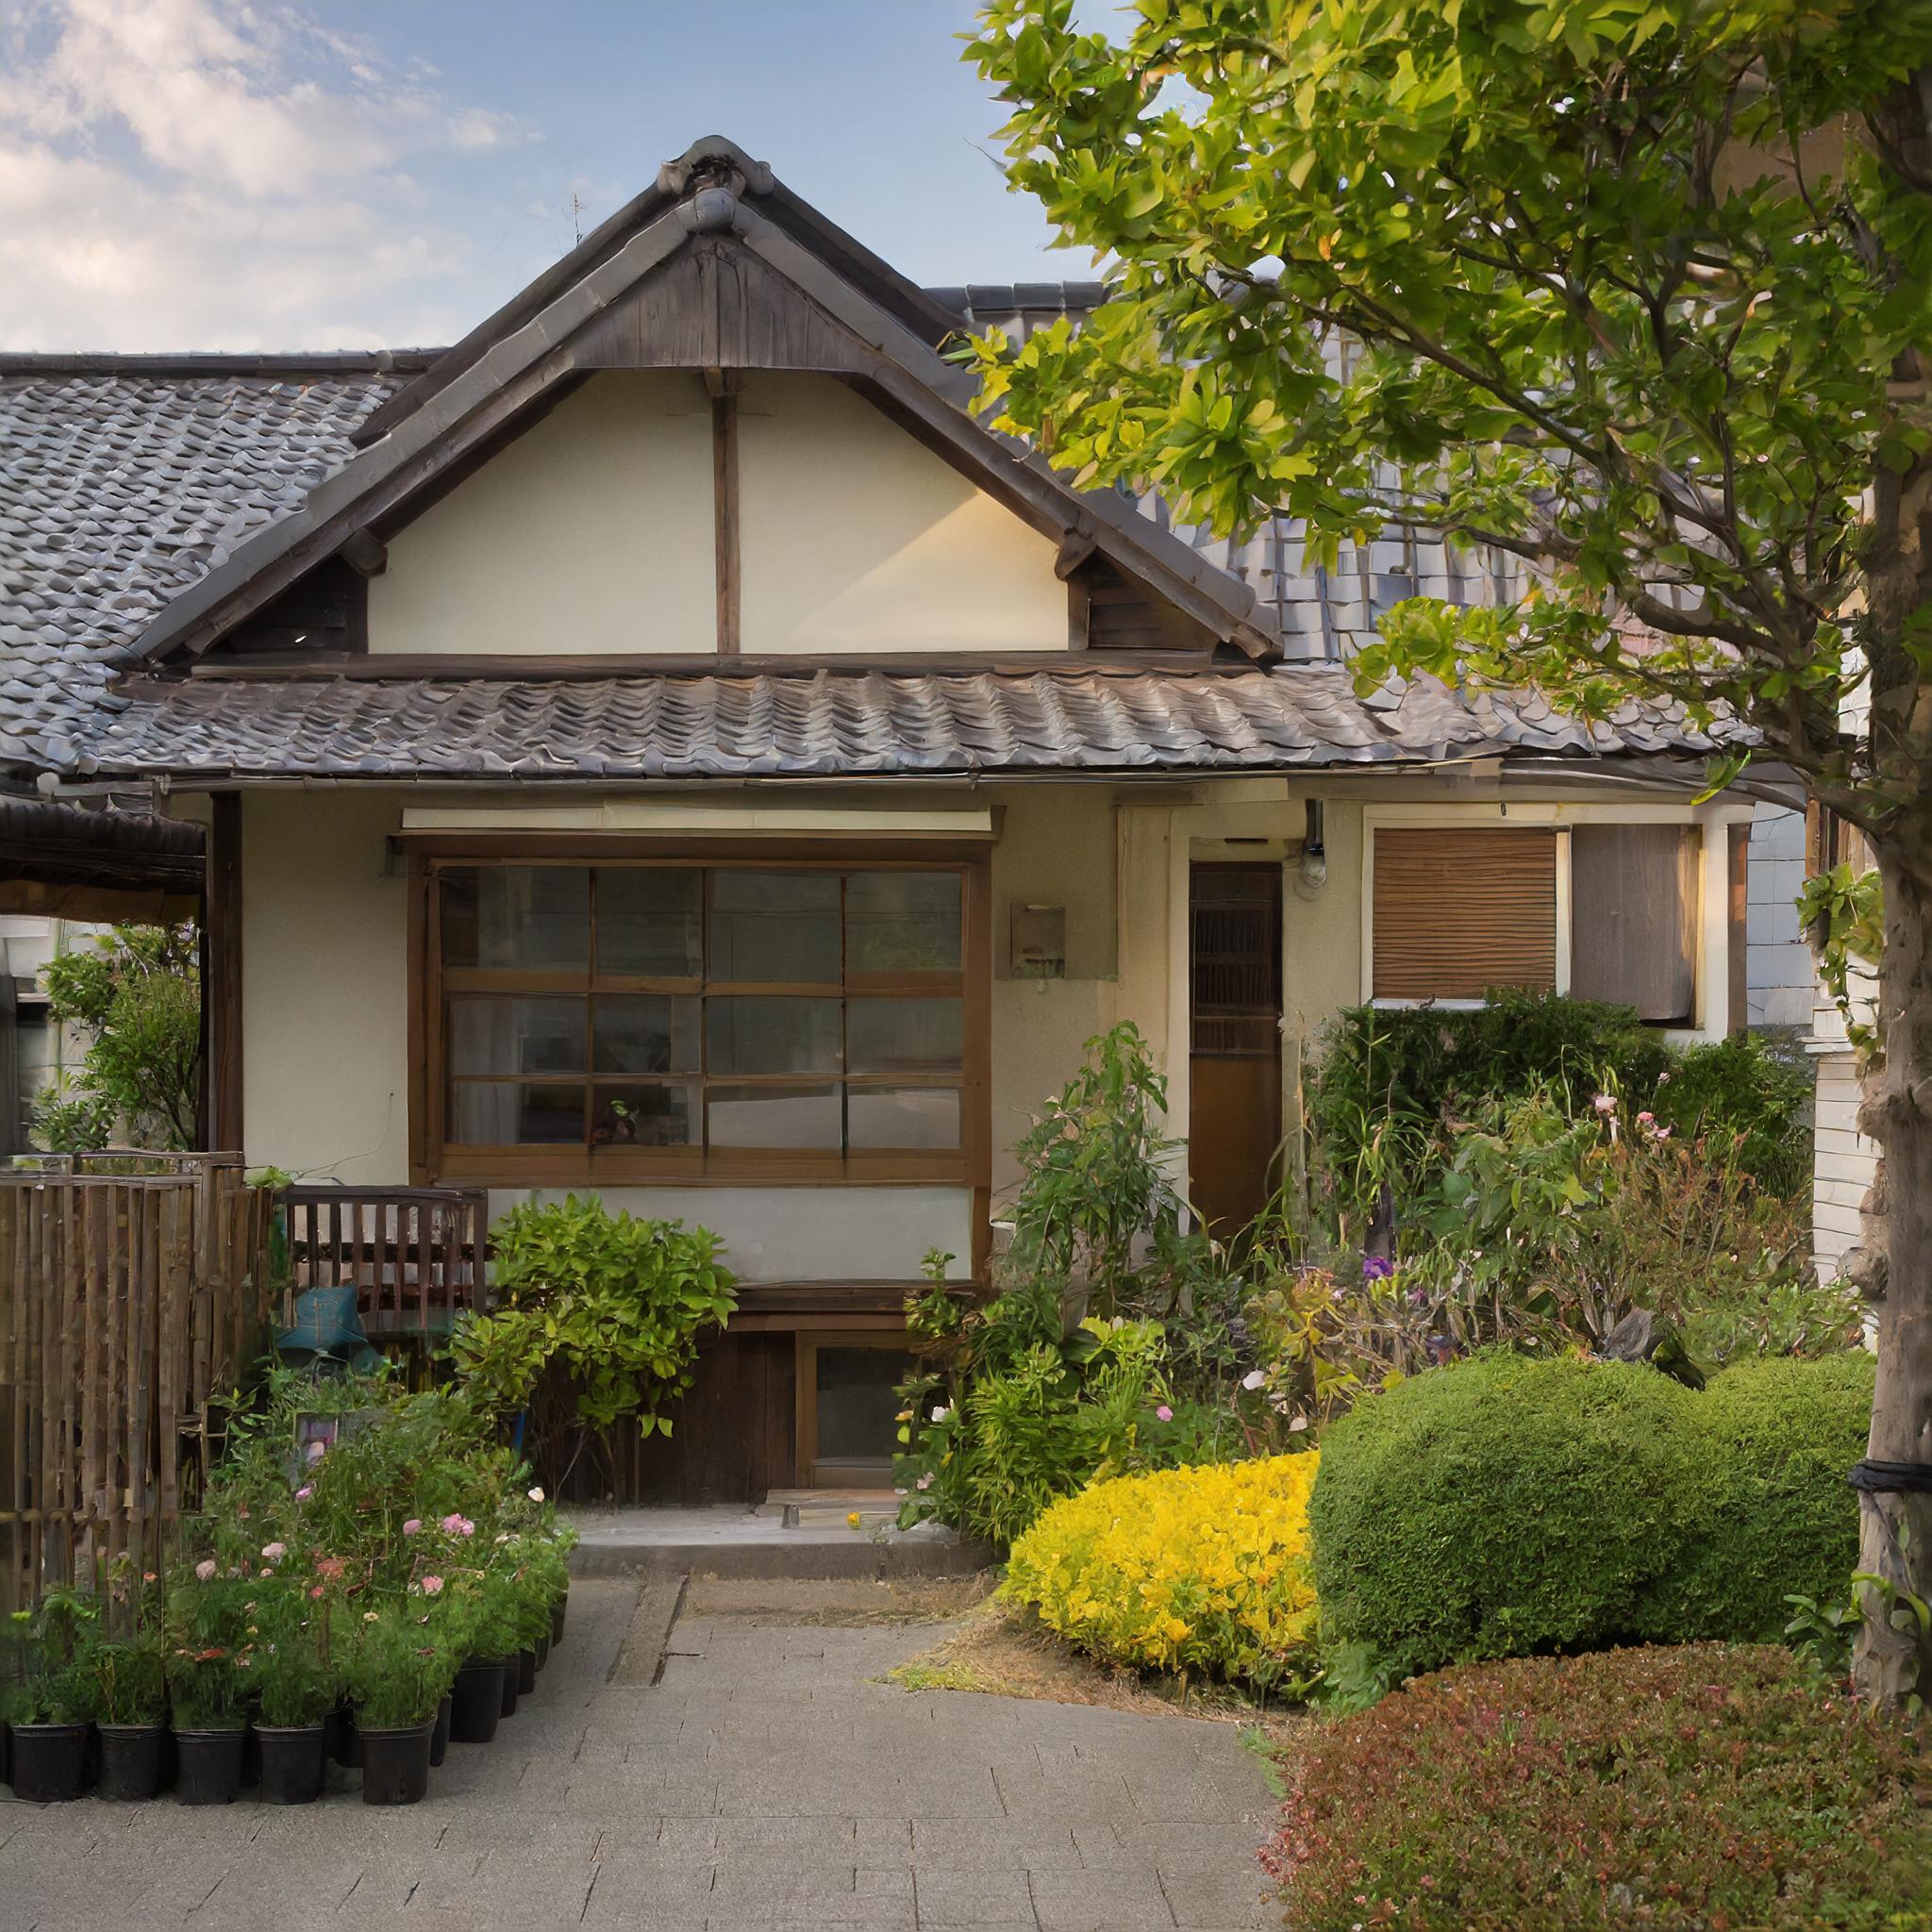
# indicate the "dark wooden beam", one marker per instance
pixel 1738 907
pixel 221 964
pixel 365 553
pixel 725 514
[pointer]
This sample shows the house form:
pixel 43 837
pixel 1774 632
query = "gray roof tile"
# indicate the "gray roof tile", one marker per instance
pixel 826 724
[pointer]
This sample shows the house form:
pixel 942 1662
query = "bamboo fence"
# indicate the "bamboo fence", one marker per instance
pixel 133 1289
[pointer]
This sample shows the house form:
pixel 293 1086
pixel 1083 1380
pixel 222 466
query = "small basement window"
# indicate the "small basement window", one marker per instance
pixel 1459 910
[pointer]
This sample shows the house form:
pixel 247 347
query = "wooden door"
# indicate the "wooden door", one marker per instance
pixel 1234 976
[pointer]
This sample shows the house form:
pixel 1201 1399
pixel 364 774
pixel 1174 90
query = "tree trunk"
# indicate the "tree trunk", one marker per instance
pixel 1896 1540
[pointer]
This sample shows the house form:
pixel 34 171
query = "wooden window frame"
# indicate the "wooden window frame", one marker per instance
pixel 810 1337
pixel 1559 822
pixel 436 1160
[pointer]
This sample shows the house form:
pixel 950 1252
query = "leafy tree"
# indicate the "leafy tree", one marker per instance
pixel 138 995
pixel 1637 291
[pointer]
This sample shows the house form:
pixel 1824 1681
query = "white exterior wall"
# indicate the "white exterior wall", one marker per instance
pixel 1779 971
pixel 592 532
pixel 855 538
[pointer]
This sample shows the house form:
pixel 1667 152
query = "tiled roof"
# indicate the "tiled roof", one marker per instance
pixel 125 479
pixel 832 723
pixel 122 480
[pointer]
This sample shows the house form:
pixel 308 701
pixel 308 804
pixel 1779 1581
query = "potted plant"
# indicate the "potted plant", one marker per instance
pixel 207 1665
pixel 49 1702
pixel 491 1671
pixel 296 1686
pixel 396 1680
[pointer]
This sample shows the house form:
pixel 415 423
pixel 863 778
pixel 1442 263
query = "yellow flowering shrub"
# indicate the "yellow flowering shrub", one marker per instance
pixel 1204 1570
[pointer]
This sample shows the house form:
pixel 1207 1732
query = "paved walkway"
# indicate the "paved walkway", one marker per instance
pixel 762 1780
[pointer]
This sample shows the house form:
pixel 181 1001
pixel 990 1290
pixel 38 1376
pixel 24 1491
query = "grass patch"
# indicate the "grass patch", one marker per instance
pixel 1003 1650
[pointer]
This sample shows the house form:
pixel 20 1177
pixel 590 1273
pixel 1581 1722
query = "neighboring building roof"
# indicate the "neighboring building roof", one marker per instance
pixel 122 482
pixel 59 858
pixel 831 723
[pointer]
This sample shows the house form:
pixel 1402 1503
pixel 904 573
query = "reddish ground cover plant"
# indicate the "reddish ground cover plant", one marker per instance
pixel 1708 1785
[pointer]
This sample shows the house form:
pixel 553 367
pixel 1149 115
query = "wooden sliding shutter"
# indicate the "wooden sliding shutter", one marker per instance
pixel 1633 921
pixel 1459 911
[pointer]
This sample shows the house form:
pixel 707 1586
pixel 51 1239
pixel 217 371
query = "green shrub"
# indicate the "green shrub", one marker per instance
pixel 1680 1789
pixel 597 1321
pixel 1504 1505
pixel 1390 1085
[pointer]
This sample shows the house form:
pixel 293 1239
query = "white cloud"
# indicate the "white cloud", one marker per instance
pixel 208 174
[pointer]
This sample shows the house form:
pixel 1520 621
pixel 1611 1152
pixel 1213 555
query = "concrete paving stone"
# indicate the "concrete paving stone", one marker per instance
pixel 959 1896
pixel 1093 1901
pixel 1187 1841
pixel 1216 1895
pixel 1011 1844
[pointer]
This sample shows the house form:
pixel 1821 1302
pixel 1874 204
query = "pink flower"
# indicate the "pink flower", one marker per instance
pixel 925 1482
pixel 303 1495
pixel 1164 1413
pixel 206 1569
pixel 414 1524
pixel 1645 1119
pixel 453 1523
pixel 1604 1103
pixel 316 1590
pixel 431 1584
pixel 469 1527
pixel 275 1552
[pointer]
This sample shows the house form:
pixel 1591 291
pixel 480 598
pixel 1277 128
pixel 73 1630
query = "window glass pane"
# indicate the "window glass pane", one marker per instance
pixel 858 1402
pixel 646 1033
pixel 774 928
pixel 905 922
pixel 805 1117
pixel 509 1036
pixel 643 1115
pixel 511 1113
pixel 530 918
pixel 651 922
pixel 904 1035
pixel 772 1036
pixel 902 1116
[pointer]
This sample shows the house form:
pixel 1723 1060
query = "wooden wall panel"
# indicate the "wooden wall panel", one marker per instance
pixel 731 1438
pixel 1633 917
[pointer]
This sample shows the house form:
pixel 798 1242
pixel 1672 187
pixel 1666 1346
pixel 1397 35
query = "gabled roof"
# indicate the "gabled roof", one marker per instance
pixel 772 297
pixel 713 159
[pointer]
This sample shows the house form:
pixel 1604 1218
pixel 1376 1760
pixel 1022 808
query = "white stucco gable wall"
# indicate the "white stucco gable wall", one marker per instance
pixel 595 532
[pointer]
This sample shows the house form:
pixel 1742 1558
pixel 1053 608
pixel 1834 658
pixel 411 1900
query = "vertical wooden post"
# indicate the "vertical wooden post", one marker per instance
pixel 1737 959
pixel 723 384
pixel 222 970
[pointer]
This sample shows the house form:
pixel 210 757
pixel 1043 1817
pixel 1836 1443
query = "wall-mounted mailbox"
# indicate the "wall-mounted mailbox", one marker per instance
pixel 1039 941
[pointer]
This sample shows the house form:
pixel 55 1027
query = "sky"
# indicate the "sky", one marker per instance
pixel 361 173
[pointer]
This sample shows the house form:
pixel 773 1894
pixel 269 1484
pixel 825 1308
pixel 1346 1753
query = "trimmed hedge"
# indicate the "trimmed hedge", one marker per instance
pixel 1422 1068
pixel 1200 1570
pixel 1504 1505
pixel 1680 1790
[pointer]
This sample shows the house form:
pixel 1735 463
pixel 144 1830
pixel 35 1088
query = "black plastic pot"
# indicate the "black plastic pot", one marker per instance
pixel 49 1762
pixel 292 1760
pixel 6 1752
pixel 438 1738
pixel 543 1650
pixel 512 1684
pixel 526 1671
pixel 477 1701
pixel 132 1760
pixel 396 1764
pixel 556 1611
pixel 211 1766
